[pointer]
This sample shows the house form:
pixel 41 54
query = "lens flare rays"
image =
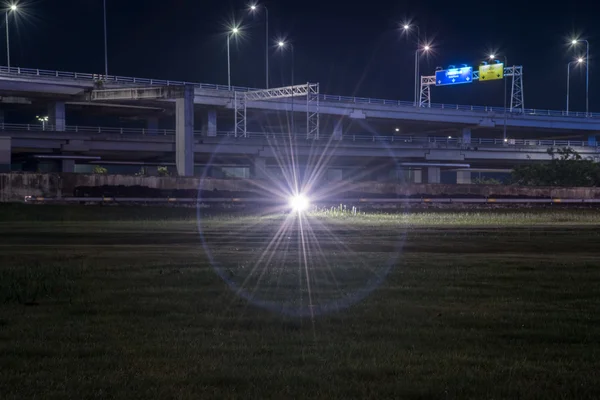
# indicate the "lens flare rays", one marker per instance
pixel 293 258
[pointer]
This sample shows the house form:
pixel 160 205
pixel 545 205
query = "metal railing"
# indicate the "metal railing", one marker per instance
pixel 114 79
pixel 439 141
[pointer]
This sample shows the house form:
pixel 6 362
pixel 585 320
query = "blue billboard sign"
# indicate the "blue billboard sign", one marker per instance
pixel 454 76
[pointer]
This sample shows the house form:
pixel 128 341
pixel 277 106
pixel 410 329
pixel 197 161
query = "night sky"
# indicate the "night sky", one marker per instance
pixel 350 48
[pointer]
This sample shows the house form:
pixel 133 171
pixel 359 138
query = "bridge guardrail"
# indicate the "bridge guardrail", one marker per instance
pixel 435 140
pixel 40 73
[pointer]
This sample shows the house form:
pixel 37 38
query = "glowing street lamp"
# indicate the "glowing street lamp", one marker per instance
pixel 253 9
pixel 577 62
pixel 492 57
pixel 43 120
pixel 282 45
pixel 234 31
pixel 12 8
pixel 407 28
pixel 587 73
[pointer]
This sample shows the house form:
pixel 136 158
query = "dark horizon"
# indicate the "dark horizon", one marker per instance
pixel 349 50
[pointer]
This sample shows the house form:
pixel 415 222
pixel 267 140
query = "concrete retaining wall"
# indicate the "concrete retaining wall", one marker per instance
pixel 15 186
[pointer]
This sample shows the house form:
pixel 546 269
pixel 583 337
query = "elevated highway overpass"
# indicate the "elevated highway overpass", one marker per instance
pixel 186 148
pixel 73 86
pixel 260 152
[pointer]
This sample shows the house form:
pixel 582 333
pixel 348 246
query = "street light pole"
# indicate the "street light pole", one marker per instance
pixel 578 61
pixel 587 73
pixel 504 104
pixel 416 88
pixel 105 44
pixel 228 64
pixel 12 8
pixel 282 45
pixel 7 43
pixel 568 83
pixel 587 78
pixel 253 8
pixel 233 31
pixel 267 47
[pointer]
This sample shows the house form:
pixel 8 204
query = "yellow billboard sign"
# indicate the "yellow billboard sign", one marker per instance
pixel 491 72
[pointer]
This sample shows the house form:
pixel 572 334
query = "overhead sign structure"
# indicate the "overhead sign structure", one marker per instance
pixel 454 76
pixel 491 72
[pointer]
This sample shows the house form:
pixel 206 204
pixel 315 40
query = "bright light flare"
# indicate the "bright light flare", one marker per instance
pixel 13 7
pixel 580 60
pixel 299 203
pixel 426 47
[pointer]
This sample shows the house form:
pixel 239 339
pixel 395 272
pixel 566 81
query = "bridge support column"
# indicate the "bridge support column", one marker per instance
pixel 592 141
pixel 1 117
pixel 56 116
pixel 463 177
pixel 260 168
pixel 67 166
pixel 433 174
pixel 5 152
pixel 338 130
pixel 466 135
pixel 209 123
pixel 184 133
pixel 152 126
pixel 416 176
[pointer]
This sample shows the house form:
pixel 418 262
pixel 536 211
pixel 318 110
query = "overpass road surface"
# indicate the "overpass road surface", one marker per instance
pixel 75 87
pixel 98 145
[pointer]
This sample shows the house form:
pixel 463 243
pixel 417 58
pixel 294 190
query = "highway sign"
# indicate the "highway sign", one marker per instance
pixel 491 72
pixel 454 76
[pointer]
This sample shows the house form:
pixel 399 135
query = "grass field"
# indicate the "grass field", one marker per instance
pixel 107 302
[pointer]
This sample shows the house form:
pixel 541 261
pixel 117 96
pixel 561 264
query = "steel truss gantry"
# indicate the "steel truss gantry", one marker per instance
pixel 308 90
pixel 517 103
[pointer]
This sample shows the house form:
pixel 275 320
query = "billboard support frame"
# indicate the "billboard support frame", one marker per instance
pixel 517 103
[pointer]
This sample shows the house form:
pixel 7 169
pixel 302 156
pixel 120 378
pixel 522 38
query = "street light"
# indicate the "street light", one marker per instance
pixel 254 8
pixel 577 61
pixel 492 57
pixel 407 28
pixel 234 31
pixel 14 8
pixel 43 120
pixel 282 45
pixel 105 45
pixel 587 73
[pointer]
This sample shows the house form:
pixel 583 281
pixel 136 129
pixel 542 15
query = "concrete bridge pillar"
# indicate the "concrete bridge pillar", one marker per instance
pixel 433 174
pixel 463 177
pixel 67 166
pixel 338 130
pixel 209 123
pixel 416 176
pixel 260 168
pixel 466 135
pixel 56 116
pixel 184 133
pixel 152 126
pixel 1 117
pixel 5 153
